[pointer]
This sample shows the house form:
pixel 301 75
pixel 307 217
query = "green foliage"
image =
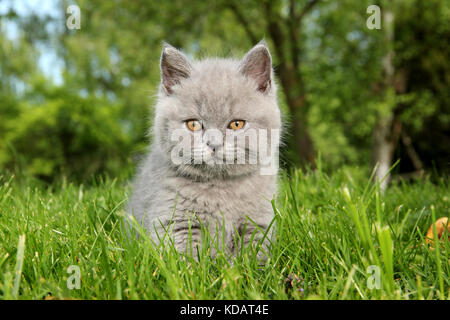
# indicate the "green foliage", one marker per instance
pixel 422 57
pixel 66 135
pixel 112 61
pixel 329 230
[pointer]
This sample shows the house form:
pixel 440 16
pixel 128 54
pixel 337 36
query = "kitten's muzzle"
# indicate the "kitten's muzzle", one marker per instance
pixel 214 146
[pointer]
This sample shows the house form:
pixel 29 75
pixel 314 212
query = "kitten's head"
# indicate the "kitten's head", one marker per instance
pixel 215 107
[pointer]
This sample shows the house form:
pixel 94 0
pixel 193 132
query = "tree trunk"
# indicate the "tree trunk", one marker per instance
pixel 383 150
pixel 300 140
pixel 384 141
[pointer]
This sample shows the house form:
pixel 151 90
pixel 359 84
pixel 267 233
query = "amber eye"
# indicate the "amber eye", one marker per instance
pixel 193 125
pixel 236 124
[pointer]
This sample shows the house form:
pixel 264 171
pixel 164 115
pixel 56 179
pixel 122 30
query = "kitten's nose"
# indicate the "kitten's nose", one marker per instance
pixel 213 138
pixel 214 146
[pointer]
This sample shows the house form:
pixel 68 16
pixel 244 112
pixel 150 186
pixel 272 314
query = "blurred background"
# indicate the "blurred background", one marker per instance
pixel 76 103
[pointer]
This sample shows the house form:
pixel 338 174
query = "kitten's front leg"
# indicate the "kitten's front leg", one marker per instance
pixel 202 235
pixel 255 233
pixel 187 234
pixel 177 231
pixel 186 237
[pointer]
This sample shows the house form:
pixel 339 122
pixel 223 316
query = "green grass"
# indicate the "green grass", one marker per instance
pixel 330 230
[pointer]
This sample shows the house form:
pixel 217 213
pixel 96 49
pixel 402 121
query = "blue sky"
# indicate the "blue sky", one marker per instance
pixel 49 63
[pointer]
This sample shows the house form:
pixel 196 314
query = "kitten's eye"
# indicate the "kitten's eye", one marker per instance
pixel 236 124
pixel 193 125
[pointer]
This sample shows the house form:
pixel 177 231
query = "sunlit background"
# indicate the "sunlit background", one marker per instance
pixel 77 103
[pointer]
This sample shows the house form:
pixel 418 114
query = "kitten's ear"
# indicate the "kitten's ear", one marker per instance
pixel 257 64
pixel 174 67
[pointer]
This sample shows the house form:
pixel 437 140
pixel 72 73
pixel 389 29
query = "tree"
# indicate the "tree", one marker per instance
pixel 385 136
pixel 352 91
pixel 415 76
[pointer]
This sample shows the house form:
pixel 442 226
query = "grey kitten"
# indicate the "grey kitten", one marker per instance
pixel 232 98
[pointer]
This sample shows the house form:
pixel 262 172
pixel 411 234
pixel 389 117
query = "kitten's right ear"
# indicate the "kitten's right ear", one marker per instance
pixel 174 67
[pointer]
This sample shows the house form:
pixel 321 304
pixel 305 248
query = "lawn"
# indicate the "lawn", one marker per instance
pixel 337 237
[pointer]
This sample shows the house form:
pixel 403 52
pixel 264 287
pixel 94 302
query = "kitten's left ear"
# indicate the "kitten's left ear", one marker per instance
pixel 257 64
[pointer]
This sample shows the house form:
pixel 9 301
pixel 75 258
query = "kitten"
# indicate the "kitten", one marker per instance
pixel 210 100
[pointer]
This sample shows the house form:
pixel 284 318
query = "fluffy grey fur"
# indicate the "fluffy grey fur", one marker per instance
pixel 173 197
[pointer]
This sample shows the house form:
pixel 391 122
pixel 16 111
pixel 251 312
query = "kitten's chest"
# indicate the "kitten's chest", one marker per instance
pixel 235 197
